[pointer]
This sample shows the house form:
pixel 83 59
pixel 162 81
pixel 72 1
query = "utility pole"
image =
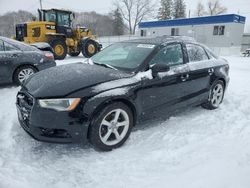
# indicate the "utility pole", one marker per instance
pixel 41 5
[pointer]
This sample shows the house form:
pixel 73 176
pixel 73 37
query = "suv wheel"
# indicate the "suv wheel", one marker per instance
pixel 216 96
pixel 111 128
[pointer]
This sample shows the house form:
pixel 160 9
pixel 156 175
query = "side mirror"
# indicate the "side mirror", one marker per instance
pixel 158 68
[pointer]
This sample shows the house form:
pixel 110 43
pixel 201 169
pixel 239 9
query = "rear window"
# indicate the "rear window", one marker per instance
pixel 196 53
pixel 20 45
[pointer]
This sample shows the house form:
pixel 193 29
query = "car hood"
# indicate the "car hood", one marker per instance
pixel 63 80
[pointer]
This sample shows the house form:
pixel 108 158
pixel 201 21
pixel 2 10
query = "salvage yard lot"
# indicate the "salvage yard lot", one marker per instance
pixel 194 148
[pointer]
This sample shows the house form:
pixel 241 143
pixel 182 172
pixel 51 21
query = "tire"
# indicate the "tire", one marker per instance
pixel 60 48
pixel 111 135
pixel 74 54
pixel 89 48
pixel 216 96
pixel 23 73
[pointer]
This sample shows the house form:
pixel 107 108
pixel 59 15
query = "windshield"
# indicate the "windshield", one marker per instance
pixel 126 56
pixel 62 18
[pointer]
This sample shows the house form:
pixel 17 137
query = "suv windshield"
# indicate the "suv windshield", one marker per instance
pixel 126 56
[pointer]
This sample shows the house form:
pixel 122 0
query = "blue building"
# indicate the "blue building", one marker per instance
pixel 223 33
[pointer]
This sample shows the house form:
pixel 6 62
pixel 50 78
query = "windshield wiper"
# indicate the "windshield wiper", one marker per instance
pixel 106 65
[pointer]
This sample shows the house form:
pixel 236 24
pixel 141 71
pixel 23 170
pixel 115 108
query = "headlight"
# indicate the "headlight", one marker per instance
pixel 60 104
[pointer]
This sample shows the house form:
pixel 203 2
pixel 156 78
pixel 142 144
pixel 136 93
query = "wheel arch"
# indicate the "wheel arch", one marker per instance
pixel 123 100
pixel 215 79
pixel 224 82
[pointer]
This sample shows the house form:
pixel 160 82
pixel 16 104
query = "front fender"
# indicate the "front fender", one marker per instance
pixel 97 102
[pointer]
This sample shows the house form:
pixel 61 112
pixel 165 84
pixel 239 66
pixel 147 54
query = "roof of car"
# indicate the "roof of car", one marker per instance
pixel 162 39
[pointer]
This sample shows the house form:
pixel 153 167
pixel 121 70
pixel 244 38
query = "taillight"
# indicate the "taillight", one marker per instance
pixel 49 55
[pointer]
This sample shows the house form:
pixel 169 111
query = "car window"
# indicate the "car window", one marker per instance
pixel 1 46
pixel 170 55
pixel 196 53
pixel 9 47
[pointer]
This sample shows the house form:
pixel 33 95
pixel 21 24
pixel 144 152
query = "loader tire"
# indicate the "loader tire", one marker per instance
pixel 89 48
pixel 60 48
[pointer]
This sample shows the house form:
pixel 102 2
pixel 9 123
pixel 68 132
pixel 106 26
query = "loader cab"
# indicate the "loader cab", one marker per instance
pixel 61 18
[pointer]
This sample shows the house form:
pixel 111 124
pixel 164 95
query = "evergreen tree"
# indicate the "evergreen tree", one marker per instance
pixel 118 24
pixel 179 9
pixel 165 11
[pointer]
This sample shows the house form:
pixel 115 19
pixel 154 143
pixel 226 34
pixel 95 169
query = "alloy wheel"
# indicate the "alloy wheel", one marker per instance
pixel 114 127
pixel 217 95
pixel 24 74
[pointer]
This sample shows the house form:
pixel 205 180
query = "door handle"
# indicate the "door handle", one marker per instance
pixel 210 71
pixel 184 77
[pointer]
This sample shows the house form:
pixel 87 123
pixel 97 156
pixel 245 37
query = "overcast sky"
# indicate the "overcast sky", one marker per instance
pixel 104 6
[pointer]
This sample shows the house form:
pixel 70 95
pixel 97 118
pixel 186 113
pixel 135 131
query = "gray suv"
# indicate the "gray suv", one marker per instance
pixel 18 61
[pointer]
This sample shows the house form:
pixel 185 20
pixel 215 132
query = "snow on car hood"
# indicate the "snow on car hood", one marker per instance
pixel 62 80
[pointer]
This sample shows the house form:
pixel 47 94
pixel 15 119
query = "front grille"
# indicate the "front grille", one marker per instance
pixel 25 103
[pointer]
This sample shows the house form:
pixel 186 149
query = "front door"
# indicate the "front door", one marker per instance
pixel 168 88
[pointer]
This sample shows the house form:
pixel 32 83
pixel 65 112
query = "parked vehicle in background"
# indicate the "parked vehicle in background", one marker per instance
pixel 101 101
pixel 18 61
pixel 55 27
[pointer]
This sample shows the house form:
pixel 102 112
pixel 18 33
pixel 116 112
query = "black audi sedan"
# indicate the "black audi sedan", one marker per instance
pixel 18 61
pixel 102 99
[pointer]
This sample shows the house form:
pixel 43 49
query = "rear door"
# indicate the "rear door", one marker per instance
pixel 200 70
pixel 9 59
pixel 3 63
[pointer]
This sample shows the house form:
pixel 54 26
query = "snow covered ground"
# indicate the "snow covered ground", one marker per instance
pixel 195 149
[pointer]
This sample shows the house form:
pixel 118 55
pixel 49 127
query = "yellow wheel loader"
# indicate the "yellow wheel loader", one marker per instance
pixel 55 27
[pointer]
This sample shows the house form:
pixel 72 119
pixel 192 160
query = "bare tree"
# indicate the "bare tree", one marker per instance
pixel 98 23
pixel 134 11
pixel 215 8
pixel 200 10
